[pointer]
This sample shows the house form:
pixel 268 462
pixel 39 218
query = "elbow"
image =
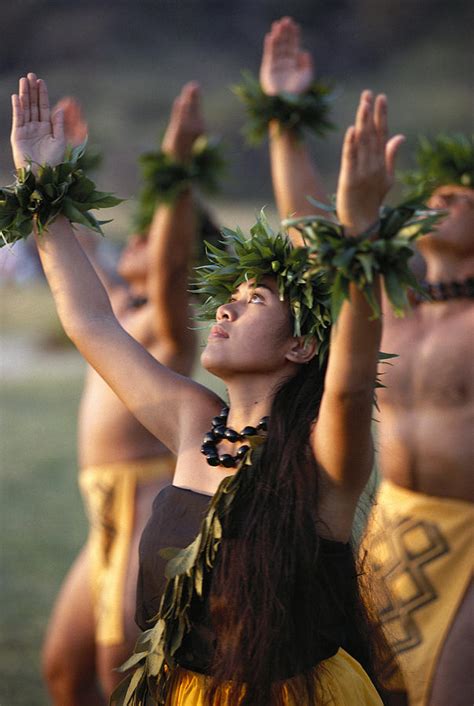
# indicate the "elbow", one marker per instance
pixel 82 330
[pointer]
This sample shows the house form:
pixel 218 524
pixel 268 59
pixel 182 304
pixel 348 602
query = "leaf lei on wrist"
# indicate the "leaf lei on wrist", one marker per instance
pixel 448 159
pixel 309 110
pixel 165 178
pixel 360 259
pixel 39 199
pixel 267 253
pixel 156 649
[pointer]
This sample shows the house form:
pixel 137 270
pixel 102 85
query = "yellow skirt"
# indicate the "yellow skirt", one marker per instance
pixel 340 681
pixel 109 495
pixel 420 558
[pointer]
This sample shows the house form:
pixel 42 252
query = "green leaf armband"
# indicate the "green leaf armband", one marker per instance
pixel 53 191
pixel 165 178
pixel 360 259
pixel 309 110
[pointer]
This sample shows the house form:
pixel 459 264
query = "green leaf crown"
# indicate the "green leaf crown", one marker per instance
pixel 447 159
pixel 309 110
pixel 40 198
pixel 164 178
pixel 267 253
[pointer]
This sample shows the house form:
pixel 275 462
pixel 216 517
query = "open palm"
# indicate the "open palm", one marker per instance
pixel 285 68
pixel 36 135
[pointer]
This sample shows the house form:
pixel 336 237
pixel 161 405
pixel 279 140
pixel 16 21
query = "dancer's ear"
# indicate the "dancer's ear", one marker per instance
pixel 302 350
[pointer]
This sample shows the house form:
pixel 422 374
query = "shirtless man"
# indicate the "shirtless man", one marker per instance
pixel 123 467
pixel 420 534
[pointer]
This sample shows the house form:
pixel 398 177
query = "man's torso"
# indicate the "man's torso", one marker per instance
pixel 426 440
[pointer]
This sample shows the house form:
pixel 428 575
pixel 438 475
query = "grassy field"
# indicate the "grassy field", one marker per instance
pixel 42 521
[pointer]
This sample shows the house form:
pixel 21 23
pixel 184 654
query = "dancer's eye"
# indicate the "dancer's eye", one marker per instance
pixel 256 298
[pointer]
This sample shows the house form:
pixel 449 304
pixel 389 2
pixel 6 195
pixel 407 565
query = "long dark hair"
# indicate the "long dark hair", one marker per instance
pixel 265 602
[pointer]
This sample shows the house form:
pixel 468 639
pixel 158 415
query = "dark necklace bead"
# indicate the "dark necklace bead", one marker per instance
pixel 263 424
pixel 218 421
pixel 242 450
pixel 231 435
pixel 209 438
pixel 213 460
pixel 207 447
pixel 248 431
pixel 219 432
pixel 227 460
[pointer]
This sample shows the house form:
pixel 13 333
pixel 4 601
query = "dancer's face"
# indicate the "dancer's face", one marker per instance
pixel 252 333
pixel 457 229
pixel 133 263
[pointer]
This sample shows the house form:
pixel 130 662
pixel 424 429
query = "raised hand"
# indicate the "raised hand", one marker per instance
pixel 285 67
pixel 75 126
pixel 186 123
pixel 367 165
pixel 36 134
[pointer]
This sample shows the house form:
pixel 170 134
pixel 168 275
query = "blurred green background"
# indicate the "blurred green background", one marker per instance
pixel 125 61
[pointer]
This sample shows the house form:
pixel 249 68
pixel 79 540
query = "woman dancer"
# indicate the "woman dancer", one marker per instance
pixel 267 595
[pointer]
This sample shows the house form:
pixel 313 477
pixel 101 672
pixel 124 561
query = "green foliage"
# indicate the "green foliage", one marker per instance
pixel 267 253
pixel 309 110
pixel 40 198
pixel 165 179
pixel 360 259
pixel 448 159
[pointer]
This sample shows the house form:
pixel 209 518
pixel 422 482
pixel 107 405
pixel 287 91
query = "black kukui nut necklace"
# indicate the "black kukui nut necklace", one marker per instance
pixel 221 431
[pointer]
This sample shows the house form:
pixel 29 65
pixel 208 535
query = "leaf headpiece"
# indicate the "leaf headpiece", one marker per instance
pixel 447 159
pixel 267 253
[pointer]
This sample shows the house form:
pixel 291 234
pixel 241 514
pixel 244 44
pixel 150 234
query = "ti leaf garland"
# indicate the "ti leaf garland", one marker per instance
pixel 40 198
pixel 165 178
pixel 360 259
pixel 447 159
pixel 309 110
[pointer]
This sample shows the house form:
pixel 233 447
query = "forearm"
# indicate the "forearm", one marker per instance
pixel 354 348
pixel 171 245
pixel 294 176
pixel 80 298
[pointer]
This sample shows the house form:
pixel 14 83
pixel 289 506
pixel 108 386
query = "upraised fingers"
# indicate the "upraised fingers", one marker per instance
pixel 24 93
pixel 43 102
pixel 17 113
pixel 391 150
pixel 364 118
pixel 380 118
pixel 34 107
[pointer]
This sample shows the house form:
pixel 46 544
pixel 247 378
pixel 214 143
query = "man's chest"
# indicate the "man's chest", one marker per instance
pixel 435 364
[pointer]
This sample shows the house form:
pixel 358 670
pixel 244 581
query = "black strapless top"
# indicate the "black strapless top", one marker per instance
pixel 175 521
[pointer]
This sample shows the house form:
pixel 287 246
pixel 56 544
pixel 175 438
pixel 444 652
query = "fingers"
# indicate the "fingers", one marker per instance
pixel 24 93
pixel 349 151
pixel 18 118
pixel 43 102
pixel 380 118
pixel 33 89
pixel 364 123
pixel 391 151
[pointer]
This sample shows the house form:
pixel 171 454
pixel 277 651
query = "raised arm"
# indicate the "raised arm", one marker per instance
pixel 162 401
pixel 286 68
pixel 172 238
pixel 342 437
